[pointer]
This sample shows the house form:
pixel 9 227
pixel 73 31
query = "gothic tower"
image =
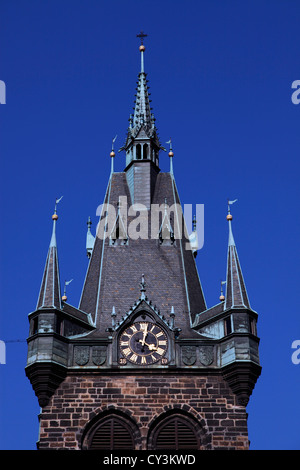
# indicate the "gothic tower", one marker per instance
pixel 142 363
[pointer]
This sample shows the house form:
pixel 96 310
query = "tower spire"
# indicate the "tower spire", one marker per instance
pixel 50 295
pixel 142 141
pixel 142 144
pixel 142 110
pixel 236 294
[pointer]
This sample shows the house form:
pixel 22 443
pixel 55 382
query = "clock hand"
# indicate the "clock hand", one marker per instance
pixel 152 347
pixel 145 333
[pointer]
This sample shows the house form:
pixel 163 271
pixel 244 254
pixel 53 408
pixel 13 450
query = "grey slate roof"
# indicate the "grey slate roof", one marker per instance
pixel 236 294
pixel 115 272
pixel 50 295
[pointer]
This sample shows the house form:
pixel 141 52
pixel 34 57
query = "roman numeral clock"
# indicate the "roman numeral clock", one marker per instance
pixel 143 343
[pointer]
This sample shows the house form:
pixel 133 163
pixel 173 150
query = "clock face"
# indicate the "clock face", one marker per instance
pixel 143 343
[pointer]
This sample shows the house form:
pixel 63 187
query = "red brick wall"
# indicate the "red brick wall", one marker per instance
pixel 144 398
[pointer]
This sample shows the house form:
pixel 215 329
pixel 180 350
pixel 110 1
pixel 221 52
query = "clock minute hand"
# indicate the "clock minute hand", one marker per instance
pixel 145 333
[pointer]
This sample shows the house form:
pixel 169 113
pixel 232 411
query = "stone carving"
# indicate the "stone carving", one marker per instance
pixel 81 355
pixel 99 355
pixel 188 354
pixel 206 355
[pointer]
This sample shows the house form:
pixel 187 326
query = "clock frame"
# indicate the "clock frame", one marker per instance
pixel 143 343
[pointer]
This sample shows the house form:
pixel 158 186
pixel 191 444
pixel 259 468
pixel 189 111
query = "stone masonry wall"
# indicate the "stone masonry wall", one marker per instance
pixel 144 398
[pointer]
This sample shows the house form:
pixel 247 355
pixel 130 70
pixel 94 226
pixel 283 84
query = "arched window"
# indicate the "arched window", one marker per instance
pixel 138 152
pixel 145 151
pixel 111 433
pixel 175 432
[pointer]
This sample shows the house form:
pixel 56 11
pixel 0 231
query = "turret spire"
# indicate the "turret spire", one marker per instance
pixel 236 294
pixel 50 295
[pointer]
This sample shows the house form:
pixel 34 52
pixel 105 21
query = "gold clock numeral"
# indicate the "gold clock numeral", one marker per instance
pixel 159 334
pixel 162 342
pixel 134 329
pixel 126 351
pixel 125 343
pixel 144 361
pixel 160 351
pixel 134 357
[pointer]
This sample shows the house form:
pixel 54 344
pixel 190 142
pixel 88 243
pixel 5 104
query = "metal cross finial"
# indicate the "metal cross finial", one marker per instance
pixel 142 35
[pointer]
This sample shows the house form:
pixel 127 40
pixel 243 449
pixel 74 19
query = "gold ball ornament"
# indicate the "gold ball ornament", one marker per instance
pixel 229 217
pixel 64 298
pixel 54 217
pixel 142 48
pixel 112 154
pixel 171 154
pixel 222 298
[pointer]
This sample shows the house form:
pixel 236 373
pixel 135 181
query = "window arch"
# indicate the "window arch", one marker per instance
pixel 138 152
pixel 175 431
pixel 145 151
pixel 112 431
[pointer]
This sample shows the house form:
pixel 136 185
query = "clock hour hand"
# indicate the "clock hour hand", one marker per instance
pixel 152 347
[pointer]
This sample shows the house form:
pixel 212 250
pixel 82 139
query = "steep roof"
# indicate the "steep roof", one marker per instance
pixel 50 295
pixel 170 271
pixel 236 294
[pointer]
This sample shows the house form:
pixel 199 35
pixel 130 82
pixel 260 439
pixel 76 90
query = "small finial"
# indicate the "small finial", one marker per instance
pixel 171 154
pixel 143 288
pixel 64 297
pixel 112 153
pixel 172 316
pixel 113 317
pixel 142 48
pixel 222 297
pixel 142 35
pixel 55 216
pixel 229 216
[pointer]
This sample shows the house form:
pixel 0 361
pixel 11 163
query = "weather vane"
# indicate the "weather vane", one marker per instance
pixel 142 35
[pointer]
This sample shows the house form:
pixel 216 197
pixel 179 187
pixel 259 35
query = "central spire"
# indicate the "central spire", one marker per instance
pixel 142 144
pixel 142 109
pixel 142 141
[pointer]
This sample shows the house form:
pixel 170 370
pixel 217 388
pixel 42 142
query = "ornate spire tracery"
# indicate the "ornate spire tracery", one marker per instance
pixel 142 142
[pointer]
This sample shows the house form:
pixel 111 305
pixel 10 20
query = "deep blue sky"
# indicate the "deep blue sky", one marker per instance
pixel 220 75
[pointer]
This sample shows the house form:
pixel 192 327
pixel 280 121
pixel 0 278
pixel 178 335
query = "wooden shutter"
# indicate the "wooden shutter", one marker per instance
pixel 112 433
pixel 176 433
